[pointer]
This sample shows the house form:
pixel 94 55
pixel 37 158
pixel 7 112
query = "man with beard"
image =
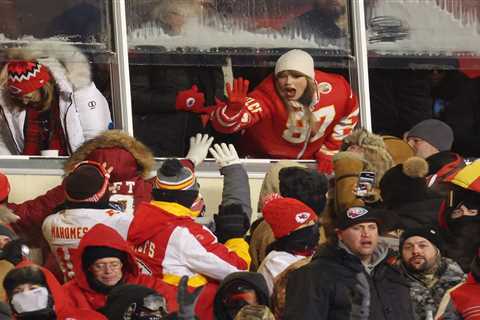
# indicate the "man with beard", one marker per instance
pixel 352 279
pixel 430 275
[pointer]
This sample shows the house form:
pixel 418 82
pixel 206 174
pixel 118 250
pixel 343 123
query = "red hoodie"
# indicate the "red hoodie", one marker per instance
pixel 85 297
pixel 63 305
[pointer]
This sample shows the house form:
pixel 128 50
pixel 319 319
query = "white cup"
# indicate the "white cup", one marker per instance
pixel 49 153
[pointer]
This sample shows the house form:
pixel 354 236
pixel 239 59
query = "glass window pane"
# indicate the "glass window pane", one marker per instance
pixel 424 59
pixel 179 47
pixel 56 66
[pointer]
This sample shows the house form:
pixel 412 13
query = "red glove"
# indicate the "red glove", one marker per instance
pixel 324 163
pixel 191 100
pixel 236 96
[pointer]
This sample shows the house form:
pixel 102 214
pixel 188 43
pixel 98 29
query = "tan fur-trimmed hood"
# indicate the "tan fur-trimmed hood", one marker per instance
pixel 375 152
pixel 112 139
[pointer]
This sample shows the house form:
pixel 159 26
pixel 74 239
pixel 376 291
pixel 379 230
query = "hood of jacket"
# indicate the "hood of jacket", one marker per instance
pixel 60 300
pixel 252 279
pixel 128 156
pixel 150 220
pixel 101 235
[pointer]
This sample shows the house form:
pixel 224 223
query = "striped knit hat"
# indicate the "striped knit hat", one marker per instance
pixel 25 77
pixel 175 183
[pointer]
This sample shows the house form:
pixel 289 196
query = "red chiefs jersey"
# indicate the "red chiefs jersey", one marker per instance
pixel 271 131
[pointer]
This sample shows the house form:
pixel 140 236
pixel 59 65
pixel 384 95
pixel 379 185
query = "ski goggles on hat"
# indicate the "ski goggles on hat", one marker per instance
pixel 154 307
pixel 103 172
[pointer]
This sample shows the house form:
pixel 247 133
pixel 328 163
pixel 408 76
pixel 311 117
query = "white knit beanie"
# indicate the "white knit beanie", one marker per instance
pixel 296 60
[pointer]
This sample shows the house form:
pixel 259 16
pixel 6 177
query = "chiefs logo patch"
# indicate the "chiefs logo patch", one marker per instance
pixel 356 212
pixel 325 87
pixel 302 217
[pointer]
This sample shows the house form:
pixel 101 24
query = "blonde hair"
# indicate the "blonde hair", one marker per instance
pixel 185 8
pixel 307 98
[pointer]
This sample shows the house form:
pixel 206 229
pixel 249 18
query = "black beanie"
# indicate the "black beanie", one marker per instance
pixel 305 185
pixel 429 233
pixel 122 297
pixel 93 253
pixel 18 276
pixel 84 183
pixel 405 182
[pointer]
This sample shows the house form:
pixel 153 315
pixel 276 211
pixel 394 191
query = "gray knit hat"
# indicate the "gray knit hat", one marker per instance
pixel 436 132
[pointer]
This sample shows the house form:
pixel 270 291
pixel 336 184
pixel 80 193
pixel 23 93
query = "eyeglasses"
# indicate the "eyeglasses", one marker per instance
pixel 114 266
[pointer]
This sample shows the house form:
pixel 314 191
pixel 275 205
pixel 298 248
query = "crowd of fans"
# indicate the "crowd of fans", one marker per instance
pixel 391 235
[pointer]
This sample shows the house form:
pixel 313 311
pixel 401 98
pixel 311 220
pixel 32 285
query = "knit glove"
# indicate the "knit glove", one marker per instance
pixel 361 298
pixel 199 145
pixel 7 216
pixel 191 100
pixel 231 222
pixel 15 251
pixel 186 301
pixel 225 155
pixel 236 96
pixel 324 163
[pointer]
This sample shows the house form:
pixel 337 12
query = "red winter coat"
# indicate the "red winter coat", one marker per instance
pixel 79 290
pixel 63 305
pixel 464 301
pixel 269 133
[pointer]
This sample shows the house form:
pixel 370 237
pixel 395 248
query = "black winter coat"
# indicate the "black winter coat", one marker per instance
pixel 323 289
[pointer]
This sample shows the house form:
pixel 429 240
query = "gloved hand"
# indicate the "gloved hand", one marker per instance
pixel 361 298
pixel 236 96
pixel 225 155
pixel 15 251
pixel 324 163
pixel 186 301
pixel 7 216
pixel 191 100
pixel 199 145
pixel 231 222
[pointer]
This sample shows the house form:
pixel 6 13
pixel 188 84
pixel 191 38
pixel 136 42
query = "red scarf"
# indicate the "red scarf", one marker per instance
pixel 43 130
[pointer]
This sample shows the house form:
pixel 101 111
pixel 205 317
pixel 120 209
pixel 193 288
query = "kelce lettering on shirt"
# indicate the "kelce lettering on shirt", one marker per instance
pixel 71 233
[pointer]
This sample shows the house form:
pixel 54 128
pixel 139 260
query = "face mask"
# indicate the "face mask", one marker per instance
pixel 300 242
pixel 29 301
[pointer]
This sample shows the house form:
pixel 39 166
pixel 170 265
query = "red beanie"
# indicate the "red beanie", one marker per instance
pixel 285 215
pixel 26 76
pixel 4 188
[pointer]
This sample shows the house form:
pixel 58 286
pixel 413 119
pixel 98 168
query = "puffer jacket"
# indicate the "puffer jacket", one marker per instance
pixel 84 111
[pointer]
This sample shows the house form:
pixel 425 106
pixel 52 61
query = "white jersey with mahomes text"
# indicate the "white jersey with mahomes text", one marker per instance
pixel 64 230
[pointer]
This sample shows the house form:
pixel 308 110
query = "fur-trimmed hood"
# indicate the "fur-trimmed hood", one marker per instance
pixel 374 151
pixel 119 150
pixel 64 61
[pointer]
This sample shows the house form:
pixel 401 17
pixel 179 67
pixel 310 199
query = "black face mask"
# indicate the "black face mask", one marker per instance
pixel 300 242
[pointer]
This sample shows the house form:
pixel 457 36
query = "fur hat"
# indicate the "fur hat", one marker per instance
pixel 25 77
pixel 255 312
pixel 307 185
pixel 398 149
pixel 175 183
pixel 435 132
pixel 405 182
pixel 296 60
pixel 356 215
pixel 377 157
pixel 429 233
pixel 4 188
pixel 88 182
pixel 285 215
